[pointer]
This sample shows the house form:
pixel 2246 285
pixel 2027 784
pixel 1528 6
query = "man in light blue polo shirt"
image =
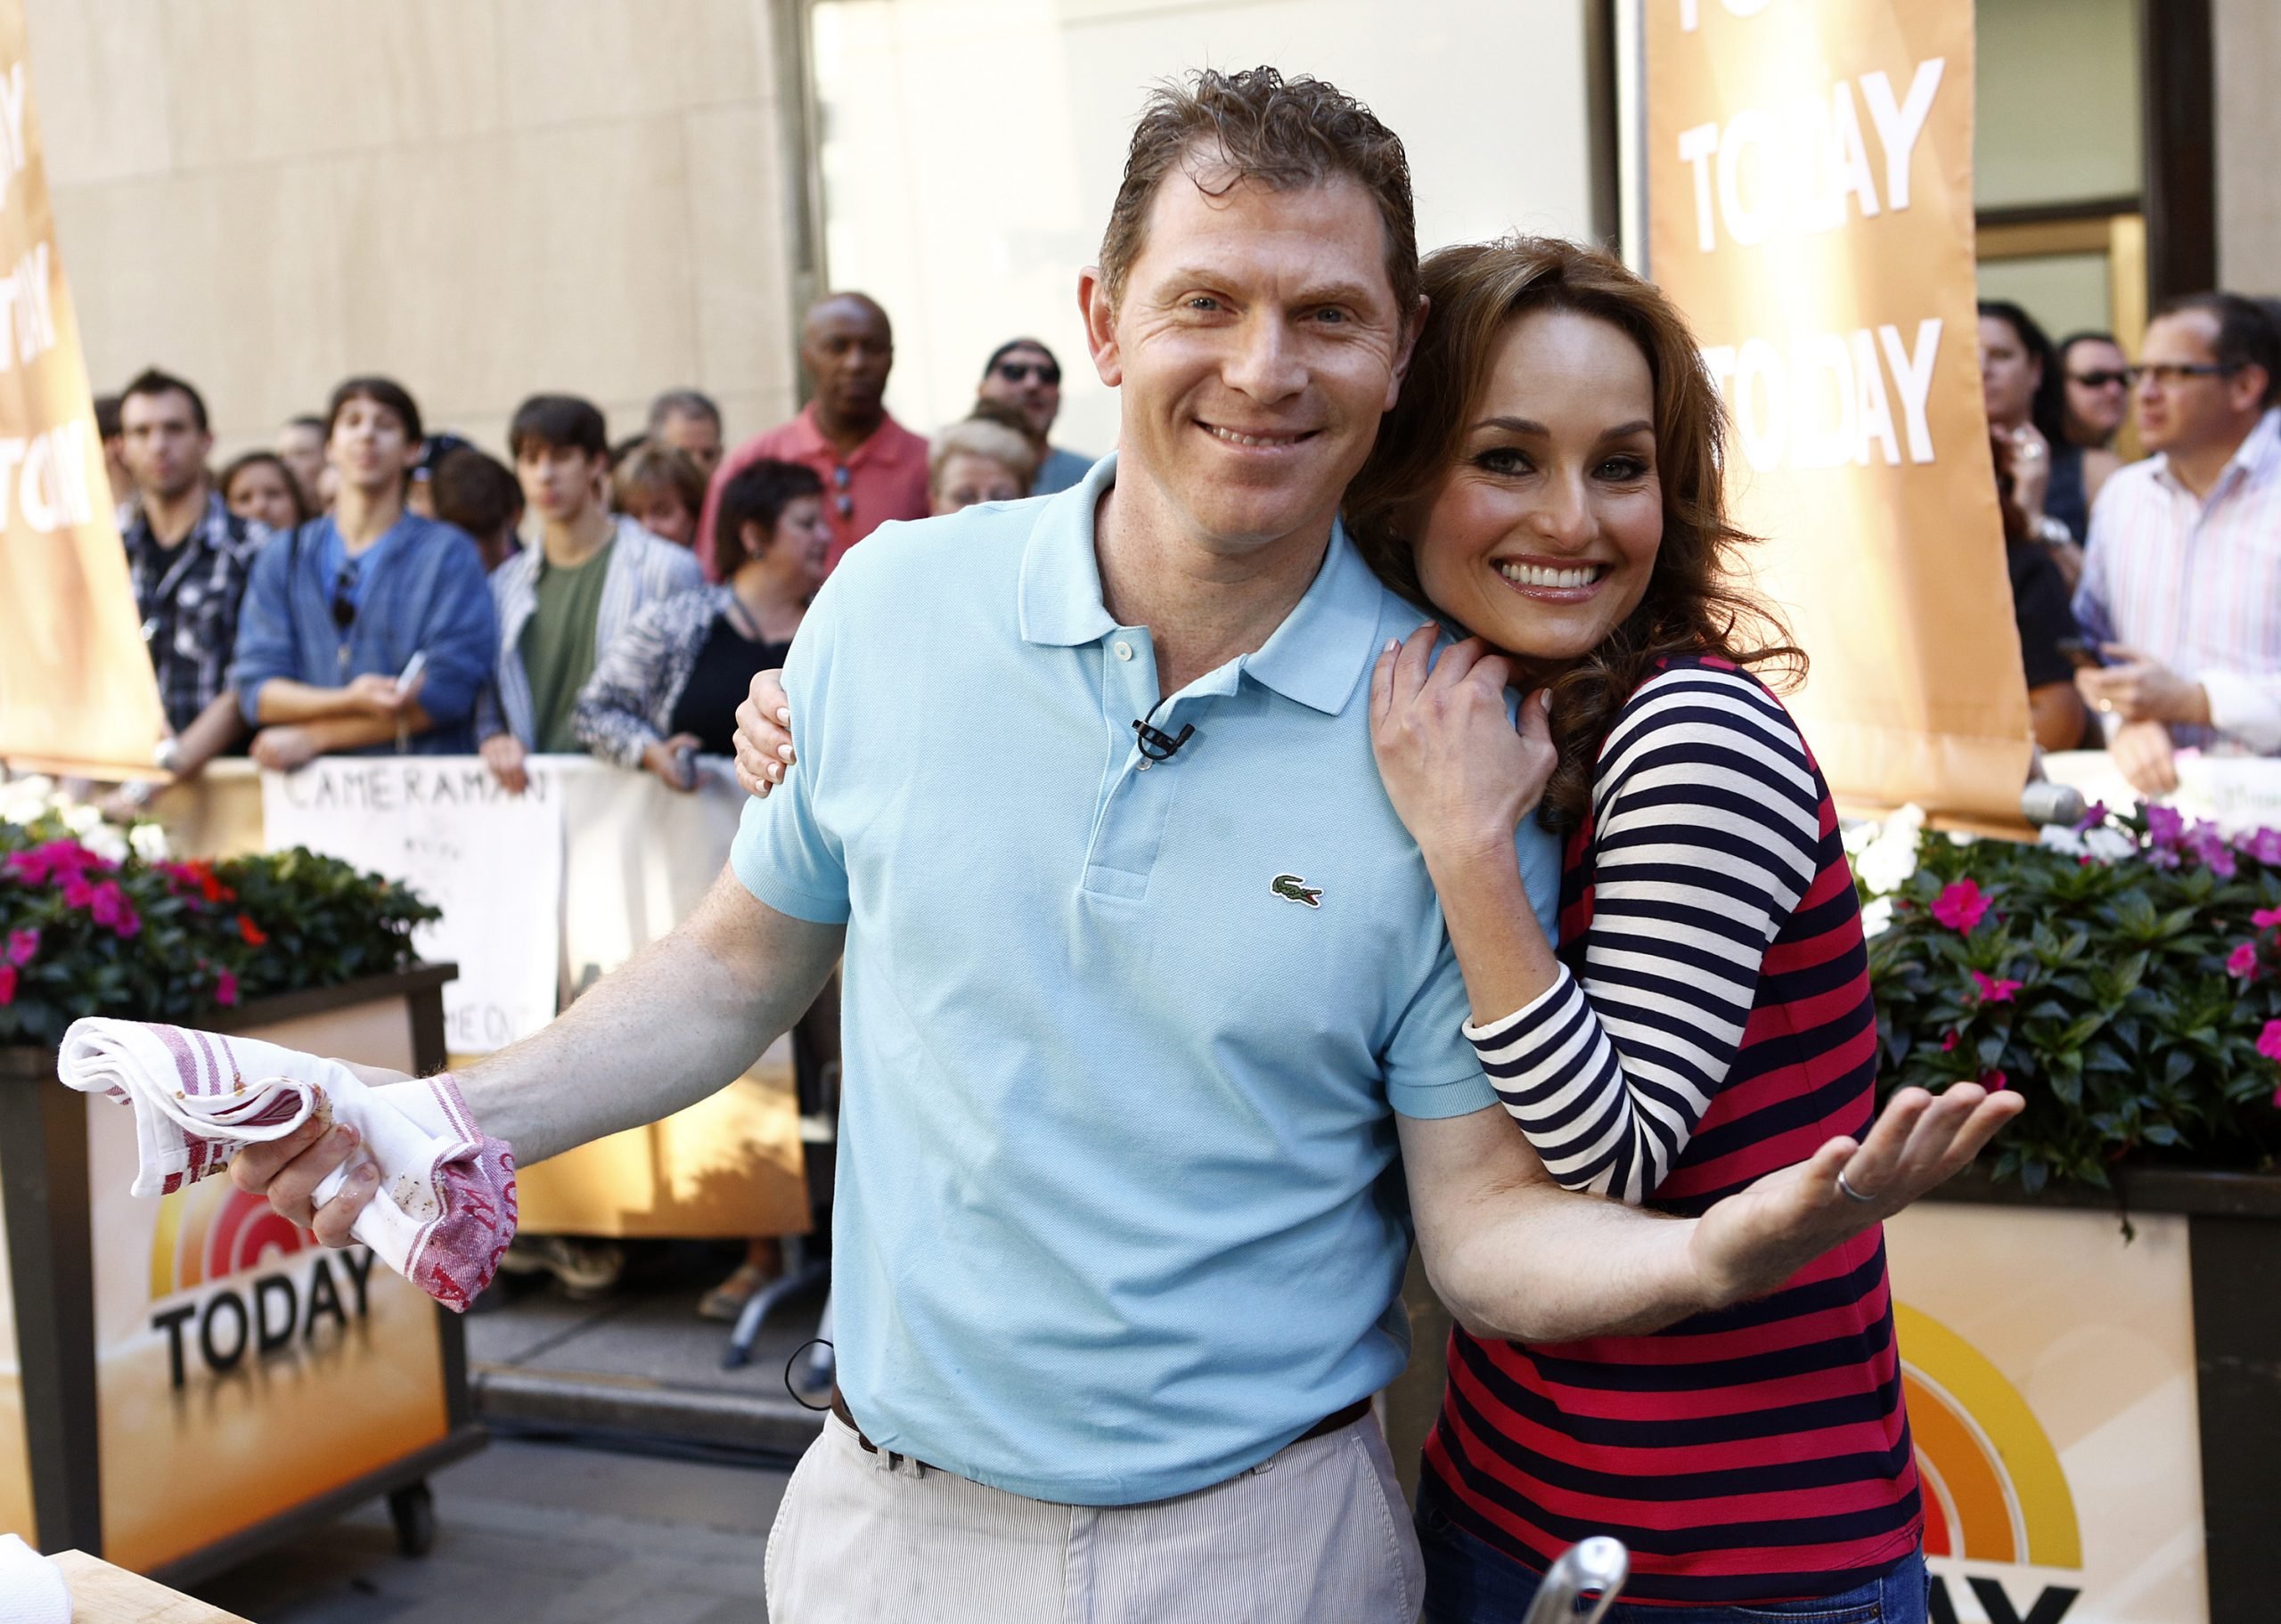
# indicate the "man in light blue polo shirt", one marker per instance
pixel 1133 1026
pixel 1146 984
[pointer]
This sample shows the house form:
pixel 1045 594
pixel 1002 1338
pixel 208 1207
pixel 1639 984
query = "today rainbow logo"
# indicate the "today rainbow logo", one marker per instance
pixel 211 1230
pixel 1994 1490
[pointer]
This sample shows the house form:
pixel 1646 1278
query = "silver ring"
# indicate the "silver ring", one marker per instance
pixel 1848 1191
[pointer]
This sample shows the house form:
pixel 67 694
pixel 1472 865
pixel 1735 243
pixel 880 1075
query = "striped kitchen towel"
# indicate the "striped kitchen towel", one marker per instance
pixel 445 1207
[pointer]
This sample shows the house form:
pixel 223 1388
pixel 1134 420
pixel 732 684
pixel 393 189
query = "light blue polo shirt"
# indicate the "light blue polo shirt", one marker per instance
pixel 1118 1212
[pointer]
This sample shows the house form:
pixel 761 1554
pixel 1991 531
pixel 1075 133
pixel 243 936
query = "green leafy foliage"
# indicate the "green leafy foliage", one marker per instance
pixel 147 939
pixel 2126 982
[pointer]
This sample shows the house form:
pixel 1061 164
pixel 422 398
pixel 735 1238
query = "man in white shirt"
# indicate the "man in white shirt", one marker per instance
pixel 2182 575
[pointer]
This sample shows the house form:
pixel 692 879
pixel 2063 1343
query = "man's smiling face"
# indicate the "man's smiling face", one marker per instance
pixel 1256 344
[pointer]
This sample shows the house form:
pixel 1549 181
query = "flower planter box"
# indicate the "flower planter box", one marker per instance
pixel 189 1379
pixel 2092 1428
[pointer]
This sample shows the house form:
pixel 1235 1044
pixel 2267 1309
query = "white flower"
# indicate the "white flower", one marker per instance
pixel 149 842
pixel 83 820
pixel 2110 844
pixel 25 800
pixel 1876 914
pixel 1887 856
pixel 104 840
pixel 2060 837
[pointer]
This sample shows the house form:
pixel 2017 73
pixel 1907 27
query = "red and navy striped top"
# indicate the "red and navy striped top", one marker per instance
pixel 1712 1023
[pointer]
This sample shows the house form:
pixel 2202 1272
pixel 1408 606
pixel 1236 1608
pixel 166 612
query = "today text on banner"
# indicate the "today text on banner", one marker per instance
pixel 1809 185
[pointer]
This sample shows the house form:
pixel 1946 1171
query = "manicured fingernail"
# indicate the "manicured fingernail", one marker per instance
pixel 784 753
pixel 784 715
pixel 1393 643
pixel 367 1175
pixel 775 772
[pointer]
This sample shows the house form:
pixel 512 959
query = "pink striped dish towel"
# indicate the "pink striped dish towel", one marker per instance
pixel 445 1208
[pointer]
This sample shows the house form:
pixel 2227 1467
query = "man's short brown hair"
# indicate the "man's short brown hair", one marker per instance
pixel 1257 126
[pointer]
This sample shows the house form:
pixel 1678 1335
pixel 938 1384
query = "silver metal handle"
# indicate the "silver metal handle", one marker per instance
pixel 1599 1564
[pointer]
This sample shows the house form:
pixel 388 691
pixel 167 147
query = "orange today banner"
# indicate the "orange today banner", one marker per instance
pixel 1808 188
pixel 76 689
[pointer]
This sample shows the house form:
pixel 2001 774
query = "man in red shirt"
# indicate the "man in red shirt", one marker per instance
pixel 873 469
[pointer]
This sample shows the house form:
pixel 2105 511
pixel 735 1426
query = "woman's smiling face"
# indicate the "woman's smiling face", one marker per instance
pixel 1540 538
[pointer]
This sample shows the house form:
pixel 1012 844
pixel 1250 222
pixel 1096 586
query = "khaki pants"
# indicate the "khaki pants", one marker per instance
pixel 1316 1535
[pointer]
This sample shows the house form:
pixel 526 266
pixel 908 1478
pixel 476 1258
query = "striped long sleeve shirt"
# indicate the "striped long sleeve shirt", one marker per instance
pixel 1713 1024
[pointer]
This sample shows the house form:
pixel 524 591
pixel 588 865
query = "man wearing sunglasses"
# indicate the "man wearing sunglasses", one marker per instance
pixel 873 469
pixel 2182 575
pixel 1022 374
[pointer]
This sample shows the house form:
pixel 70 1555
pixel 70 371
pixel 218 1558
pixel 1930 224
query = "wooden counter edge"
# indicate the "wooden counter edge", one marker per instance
pixel 102 1593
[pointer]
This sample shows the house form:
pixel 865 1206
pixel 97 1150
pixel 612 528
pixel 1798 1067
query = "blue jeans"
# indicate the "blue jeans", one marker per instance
pixel 1469 1581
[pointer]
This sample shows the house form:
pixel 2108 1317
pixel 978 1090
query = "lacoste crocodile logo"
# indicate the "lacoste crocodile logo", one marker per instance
pixel 1291 888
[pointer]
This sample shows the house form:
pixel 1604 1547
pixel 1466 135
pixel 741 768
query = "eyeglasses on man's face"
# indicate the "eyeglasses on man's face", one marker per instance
pixel 2170 374
pixel 1019 372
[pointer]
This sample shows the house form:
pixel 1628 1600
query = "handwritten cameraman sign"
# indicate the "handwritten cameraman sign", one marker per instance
pixel 1809 172
pixel 491 861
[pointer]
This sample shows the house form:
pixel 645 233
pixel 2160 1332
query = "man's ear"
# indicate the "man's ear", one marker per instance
pixel 2249 387
pixel 1408 348
pixel 1098 312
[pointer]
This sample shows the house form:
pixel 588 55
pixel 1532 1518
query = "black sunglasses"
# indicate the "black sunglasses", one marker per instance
pixel 1022 371
pixel 2119 378
pixel 344 606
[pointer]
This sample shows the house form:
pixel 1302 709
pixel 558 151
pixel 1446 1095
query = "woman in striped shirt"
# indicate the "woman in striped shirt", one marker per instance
pixel 1550 481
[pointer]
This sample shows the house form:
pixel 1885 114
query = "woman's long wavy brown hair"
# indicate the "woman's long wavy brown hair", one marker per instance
pixel 1693 605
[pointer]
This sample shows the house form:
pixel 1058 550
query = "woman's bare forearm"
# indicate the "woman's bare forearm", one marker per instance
pixel 683 1018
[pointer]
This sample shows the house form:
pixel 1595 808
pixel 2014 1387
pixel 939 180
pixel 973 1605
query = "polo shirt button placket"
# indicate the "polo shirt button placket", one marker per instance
pixel 1130 823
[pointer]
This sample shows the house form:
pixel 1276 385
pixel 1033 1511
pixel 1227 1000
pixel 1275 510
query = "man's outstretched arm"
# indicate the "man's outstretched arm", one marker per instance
pixel 679 1021
pixel 1514 1255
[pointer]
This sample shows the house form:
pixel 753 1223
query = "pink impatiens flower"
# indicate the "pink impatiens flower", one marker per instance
pixel 23 946
pixel 2266 918
pixel 2269 1041
pixel 225 988
pixel 7 984
pixel 1948 1042
pixel 1994 1081
pixel 2242 962
pixel 1995 989
pixel 1960 906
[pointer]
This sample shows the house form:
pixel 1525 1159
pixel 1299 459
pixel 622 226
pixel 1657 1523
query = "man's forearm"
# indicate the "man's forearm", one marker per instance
pixel 212 732
pixel 354 731
pixel 281 700
pixel 683 1018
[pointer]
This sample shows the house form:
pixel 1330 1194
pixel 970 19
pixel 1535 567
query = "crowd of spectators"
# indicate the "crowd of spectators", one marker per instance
pixel 368 586
pixel 2155 584
pixel 423 595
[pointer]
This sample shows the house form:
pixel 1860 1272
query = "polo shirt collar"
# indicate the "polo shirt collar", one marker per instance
pixel 885 444
pixel 1316 657
pixel 1061 579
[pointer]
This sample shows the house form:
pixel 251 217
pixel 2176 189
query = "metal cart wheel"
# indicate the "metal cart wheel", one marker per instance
pixel 413 1509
